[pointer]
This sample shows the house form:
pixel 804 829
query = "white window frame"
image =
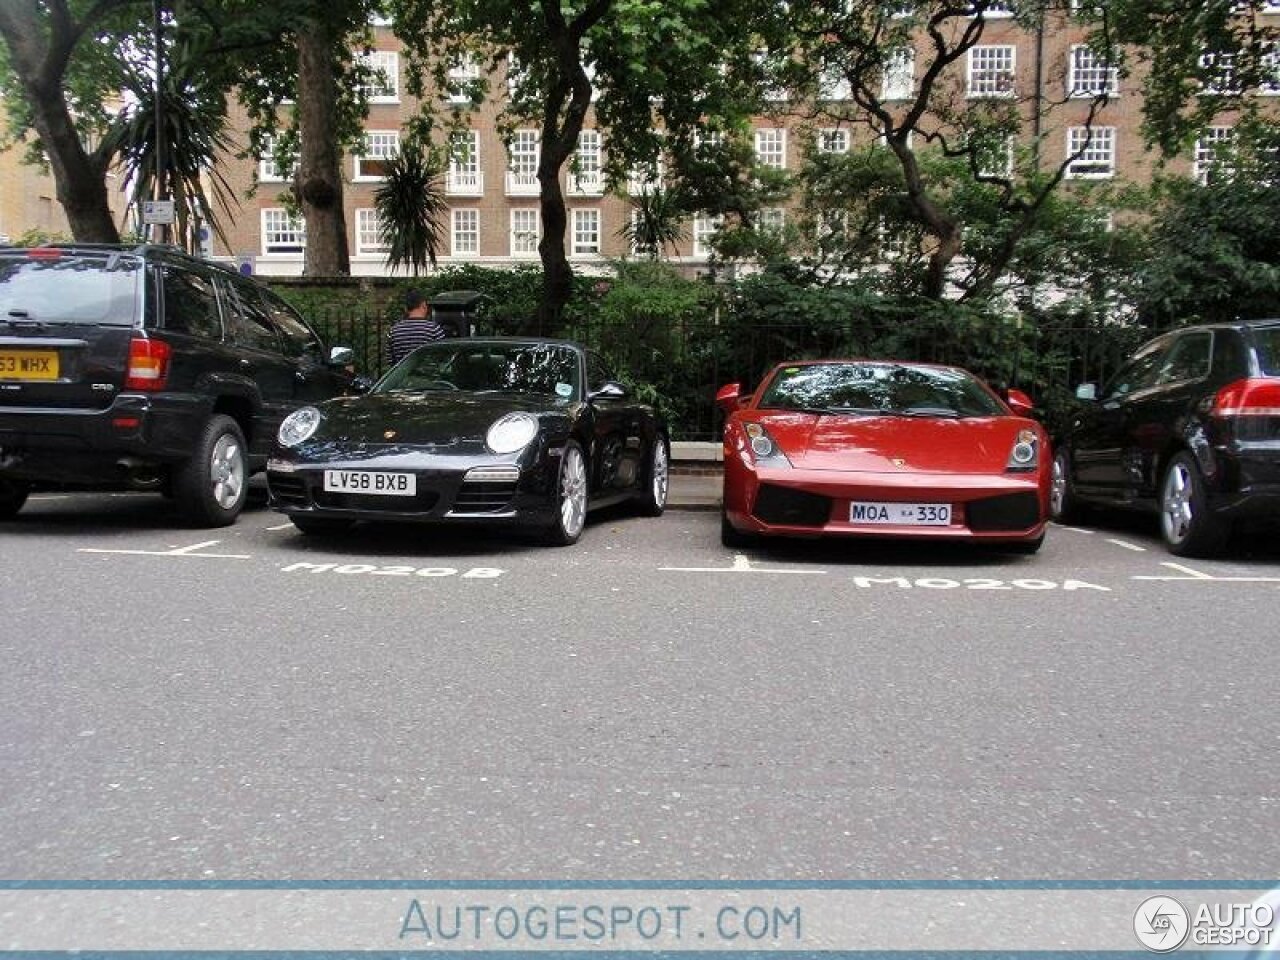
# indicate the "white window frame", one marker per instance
pixel 282 233
pixel 704 228
pixel 997 10
pixel 379 145
pixel 771 220
pixel 464 225
pixel 1098 161
pixel 648 177
pixel 1090 74
pixel 771 147
pixel 460 78
pixel 522 163
pixel 586 177
pixel 523 242
pixel 464 176
pixel 833 84
pixel 1003 153
pixel 368 234
pixel 992 70
pixel 386 62
pixel 1224 64
pixel 585 223
pixel 1207 152
pixel 267 170
pixel 833 140
pixel 899 80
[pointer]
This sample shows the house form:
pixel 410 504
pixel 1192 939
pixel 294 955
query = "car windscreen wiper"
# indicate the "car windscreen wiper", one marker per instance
pixel 946 413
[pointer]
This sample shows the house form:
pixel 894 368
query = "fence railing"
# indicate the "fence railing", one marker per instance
pixel 679 366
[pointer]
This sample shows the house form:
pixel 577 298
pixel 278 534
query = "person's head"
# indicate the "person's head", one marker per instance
pixel 415 304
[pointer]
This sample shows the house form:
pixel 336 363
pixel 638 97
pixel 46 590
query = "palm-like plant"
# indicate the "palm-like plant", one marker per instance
pixel 411 208
pixel 195 136
pixel 656 222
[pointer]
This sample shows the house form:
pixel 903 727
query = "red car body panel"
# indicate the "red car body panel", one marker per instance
pixel 885 458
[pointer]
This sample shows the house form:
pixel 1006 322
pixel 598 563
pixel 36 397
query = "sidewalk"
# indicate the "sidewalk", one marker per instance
pixel 695 476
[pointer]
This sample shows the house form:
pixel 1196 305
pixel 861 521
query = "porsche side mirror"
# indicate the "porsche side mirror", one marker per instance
pixel 1087 391
pixel 1020 403
pixel 341 356
pixel 609 390
pixel 729 397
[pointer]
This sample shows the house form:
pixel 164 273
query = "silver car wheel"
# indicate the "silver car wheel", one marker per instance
pixel 1176 507
pixel 573 492
pixel 227 471
pixel 1057 487
pixel 661 473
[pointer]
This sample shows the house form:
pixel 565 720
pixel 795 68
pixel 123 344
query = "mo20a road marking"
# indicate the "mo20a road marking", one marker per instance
pixel 394 570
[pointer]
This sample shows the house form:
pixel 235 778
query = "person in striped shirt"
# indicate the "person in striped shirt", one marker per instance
pixel 413 330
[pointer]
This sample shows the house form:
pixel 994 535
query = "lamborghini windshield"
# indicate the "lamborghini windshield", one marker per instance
pixel 893 389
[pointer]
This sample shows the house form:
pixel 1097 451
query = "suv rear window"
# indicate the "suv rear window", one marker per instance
pixel 67 288
pixel 1268 340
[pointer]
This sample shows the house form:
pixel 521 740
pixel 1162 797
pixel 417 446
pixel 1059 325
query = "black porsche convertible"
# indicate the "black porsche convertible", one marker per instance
pixel 528 432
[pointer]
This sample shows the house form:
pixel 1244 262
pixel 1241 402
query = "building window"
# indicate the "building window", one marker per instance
pixel 1091 75
pixel 771 220
pixel 1211 160
pixel 526 231
pixel 991 70
pixel 646 178
pixel 771 148
pixel 369 233
pixel 832 140
pixel 466 232
pixel 379 147
pixel 584 175
pixel 282 231
pixel 1094 150
pixel 995 158
pixel 462 80
pixel 586 231
pixel 899 75
pixel 268 170
pixel 833 84
pixel 522 163
pixel 704 230
pixel 992 9
pixel 1269 78
pixel 1218 73
pixel 383 86
pixel 464 176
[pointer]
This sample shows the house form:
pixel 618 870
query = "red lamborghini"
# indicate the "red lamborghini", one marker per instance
pixel 883 449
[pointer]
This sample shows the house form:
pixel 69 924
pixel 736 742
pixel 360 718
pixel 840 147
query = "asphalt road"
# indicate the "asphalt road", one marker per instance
pixel 398 704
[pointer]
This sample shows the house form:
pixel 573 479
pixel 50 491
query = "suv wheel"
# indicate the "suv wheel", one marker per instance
pixel 13 494
pixel 212 486
pixel 1189 529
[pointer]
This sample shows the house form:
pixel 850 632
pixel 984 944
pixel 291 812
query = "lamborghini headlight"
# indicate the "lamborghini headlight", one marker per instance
pixel 764 448
pixel 1025 455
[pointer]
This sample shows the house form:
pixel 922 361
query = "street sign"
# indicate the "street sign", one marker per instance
pixel 157 211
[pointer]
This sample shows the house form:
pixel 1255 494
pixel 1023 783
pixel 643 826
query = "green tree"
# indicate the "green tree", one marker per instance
pixel 638 65
pixel 412 208
pixel 656 223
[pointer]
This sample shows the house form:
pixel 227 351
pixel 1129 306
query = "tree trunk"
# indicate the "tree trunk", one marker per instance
pixel 557 275
pixel 318 184
pixel 79 177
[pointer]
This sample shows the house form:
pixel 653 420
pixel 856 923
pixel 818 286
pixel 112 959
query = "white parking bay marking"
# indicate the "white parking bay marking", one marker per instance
pixel 1186 574
pixel 280 526
pixel 191 551
pixel 1127 545
pixel 741 564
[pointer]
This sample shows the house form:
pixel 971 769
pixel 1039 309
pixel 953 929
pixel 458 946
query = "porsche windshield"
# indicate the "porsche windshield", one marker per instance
pixel 879 388
pixel 476 366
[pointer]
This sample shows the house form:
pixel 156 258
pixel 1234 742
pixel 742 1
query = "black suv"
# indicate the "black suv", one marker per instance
pixel 1189 426
pixel 144 368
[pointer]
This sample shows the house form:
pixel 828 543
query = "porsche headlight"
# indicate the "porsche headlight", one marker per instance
pixel 764 448
pixel 298 426
pixel 1025 455
pixel 511 433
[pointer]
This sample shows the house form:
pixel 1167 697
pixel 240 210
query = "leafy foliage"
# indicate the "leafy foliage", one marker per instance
pixel 412 209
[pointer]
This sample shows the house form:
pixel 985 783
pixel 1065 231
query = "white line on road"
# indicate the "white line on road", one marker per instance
pixel 281 526
pixel 741 564
pixel 1187 574
pixel 174 552
pixel 1088 533
pixel 1127 545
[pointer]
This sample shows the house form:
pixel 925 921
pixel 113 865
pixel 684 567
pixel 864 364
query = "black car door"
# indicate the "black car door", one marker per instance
pixel 313 378
pixel 260 359
pixel 615 453
pixel 1100 435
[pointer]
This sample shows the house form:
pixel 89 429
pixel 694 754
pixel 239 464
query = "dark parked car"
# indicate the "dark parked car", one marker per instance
pixel 1189 426
pixel 141 367
pixel 523 432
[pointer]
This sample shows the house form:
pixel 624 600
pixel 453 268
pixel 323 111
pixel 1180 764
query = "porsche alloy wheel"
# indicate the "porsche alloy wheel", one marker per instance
pixel 657 478
pixel 1188 528
pixel 571 497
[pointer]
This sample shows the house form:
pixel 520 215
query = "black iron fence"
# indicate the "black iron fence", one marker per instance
pixel 678 366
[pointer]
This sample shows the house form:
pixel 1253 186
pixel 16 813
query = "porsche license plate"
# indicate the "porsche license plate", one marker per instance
pixel 901 514
pixel 371 481
pixel 29 365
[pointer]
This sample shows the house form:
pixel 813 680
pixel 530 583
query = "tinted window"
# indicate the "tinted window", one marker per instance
pixel 299 339
pixel 474 365
pixel 190 303
pixel 1268 341
pixel 59 288
pixel 876 388
pixel 251 324
pixel 1188 359
pixel 1139 373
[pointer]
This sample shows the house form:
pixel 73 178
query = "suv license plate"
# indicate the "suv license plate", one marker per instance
pixel 901 514
pixel 371 481
pixel 29 365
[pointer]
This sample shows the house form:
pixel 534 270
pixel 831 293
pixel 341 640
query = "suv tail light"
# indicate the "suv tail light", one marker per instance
pixel 148 364
pixel 1248 398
